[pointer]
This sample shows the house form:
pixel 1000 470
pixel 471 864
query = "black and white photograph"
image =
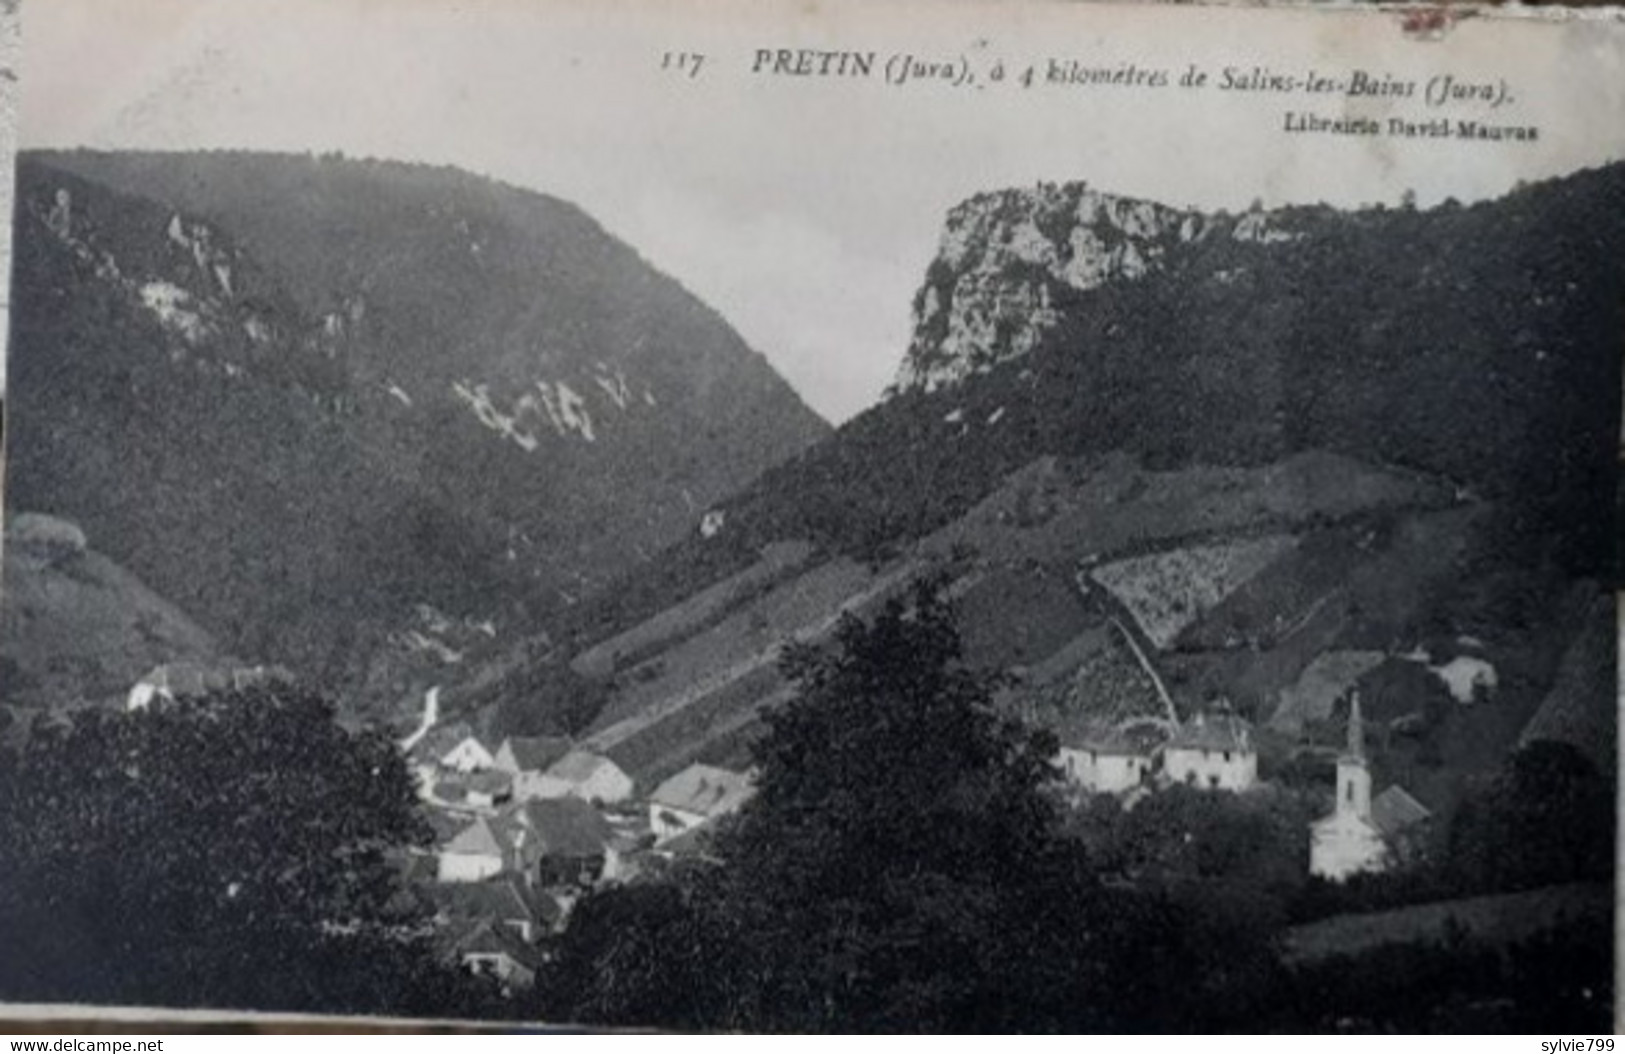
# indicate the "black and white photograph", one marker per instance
pixel 799 518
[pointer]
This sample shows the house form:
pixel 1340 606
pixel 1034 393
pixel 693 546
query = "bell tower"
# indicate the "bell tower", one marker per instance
pixel 1353 775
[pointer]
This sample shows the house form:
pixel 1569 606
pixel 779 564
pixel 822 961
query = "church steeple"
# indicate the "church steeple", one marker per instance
pixel 1353 777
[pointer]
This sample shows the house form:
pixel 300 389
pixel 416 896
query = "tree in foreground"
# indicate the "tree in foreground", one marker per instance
pixel 900 847
pixel 899 868
pixel 222 851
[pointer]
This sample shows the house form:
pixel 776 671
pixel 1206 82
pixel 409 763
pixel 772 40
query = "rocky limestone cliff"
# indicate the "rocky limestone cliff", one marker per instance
pixel 989 295
pixel 309 399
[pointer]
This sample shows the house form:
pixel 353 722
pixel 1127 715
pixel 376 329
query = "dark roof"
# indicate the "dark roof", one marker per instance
pixel 439 740
pixel 490 782
pixel 1139 737
pixel 536 753
pixel 446 825
pixel 694 842
pixel 505 898
pixel 1394 810
pixel 413 867
pixel 556 827
pixel 578 766
pixel 489 938
pixel 1217 731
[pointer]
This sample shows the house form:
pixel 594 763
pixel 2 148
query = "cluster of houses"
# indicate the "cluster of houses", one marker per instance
pixel 1216 751
pixel 524 827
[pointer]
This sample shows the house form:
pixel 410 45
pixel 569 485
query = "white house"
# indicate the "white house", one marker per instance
pixel 583 775
pixel 1348 841
pixel 1213 751
pixel 142 694
pixel 1468 678
pixel 473 854
pixel 468 755
pixel 694 797
pixel 1104 760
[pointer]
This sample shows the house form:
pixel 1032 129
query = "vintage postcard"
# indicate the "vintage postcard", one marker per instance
pixel 795 517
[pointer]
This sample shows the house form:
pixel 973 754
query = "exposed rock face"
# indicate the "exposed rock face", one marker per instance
pixel 990 294
pixel 305 398
pixel 1478 343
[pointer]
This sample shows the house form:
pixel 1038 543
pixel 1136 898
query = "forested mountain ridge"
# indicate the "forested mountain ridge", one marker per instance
pixel 1478 342
pixel 1475 349
pixel 373 399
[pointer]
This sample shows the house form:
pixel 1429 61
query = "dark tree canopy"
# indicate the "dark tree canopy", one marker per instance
pixel 227 850
pixel 900 868
pixel 900 825
pixel 1548 817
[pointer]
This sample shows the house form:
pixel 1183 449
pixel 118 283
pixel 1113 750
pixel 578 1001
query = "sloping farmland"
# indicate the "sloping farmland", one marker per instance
pixel 778 561
pixel 717 681
pixel 1060 513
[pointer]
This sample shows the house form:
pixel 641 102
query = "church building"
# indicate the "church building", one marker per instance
pixel 1349 840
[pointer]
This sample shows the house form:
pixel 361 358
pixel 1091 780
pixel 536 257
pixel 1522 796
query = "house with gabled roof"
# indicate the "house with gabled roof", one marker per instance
pixel 584 775
pixel 505 899
pixel 446 824
pixel 469 754
pixel 1402 821
pixel 556 842
pixel 1213 751
pixel 1102 758
pixel 526 758
pixel 696 796
pixel 488 949
pixel 1102 698
pixel 530 753
pixel 472 854
pixel 437 741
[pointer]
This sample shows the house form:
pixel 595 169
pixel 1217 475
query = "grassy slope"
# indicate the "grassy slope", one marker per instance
pixel 77 629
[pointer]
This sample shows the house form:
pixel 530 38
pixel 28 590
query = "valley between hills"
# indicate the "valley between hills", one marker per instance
pixel 444 450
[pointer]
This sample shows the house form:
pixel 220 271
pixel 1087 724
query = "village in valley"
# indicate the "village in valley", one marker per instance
pixel 525 826
pixel 416 602
pixel 522 828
